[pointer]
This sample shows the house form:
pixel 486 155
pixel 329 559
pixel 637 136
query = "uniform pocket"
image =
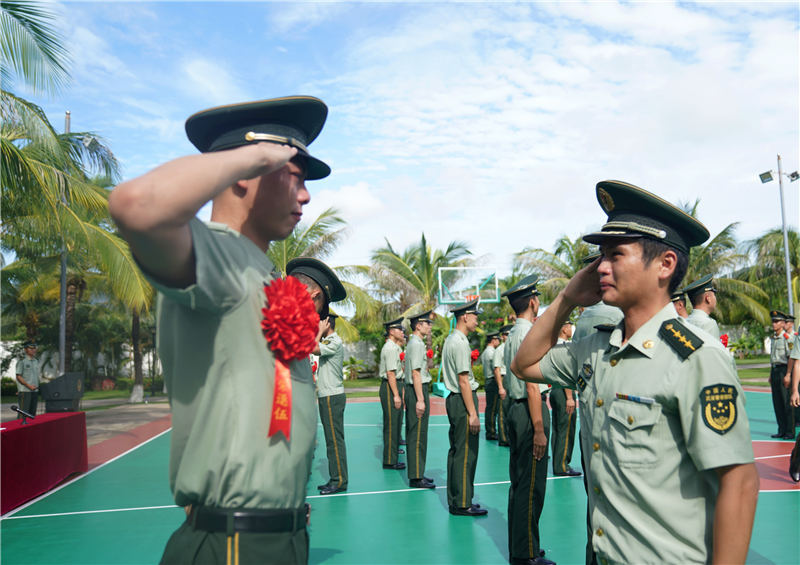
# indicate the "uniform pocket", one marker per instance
pixel 634 433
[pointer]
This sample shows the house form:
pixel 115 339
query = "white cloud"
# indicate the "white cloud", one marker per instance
pixel 211 82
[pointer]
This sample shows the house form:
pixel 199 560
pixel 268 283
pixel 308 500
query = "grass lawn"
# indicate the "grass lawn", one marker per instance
pixel 753 360
pixel 362 383
pixel 362 394
pixel 754 377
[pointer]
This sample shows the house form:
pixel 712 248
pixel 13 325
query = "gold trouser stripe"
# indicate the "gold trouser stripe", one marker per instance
pixel 530 505
pixel 502 427
pixel 236 549
pixel 228 560
pixel 566 444
pixel 335 445
pixel 466 455
pixel 494 409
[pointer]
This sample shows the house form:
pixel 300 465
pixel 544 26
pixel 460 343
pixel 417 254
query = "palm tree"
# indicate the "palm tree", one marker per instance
pixel 768 271
pixel 318 239
pixel 555 268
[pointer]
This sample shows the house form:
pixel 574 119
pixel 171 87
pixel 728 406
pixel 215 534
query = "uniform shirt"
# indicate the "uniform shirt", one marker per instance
pixel 704 322
pixel 487 360
pixel 390 360
pixel 795 349
pixel 650 463
pixel 28 369
pixel 329 373
pixel 416 358
pixel 456 359
pixel 220 374
pixel 779 350
pixel 595 315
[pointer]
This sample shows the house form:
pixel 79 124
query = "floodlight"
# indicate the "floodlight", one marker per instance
pixel 793 176
pixel 765 177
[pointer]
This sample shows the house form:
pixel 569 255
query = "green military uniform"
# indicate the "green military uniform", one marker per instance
pixel 505 403
pixel 220 374
pixel 662 411
pixel 462 457
pixel 528 476
pixel 390 361
pixel 490 385
pixel 28 368
pixel 778 360
pixel 697 317
pixel 332 400
pixel 417 428
pixel 563 432
pixel 246 488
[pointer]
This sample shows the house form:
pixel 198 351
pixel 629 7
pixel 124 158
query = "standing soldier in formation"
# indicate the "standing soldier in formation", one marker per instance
pixel 501 379
pixel 703 296
pixel 794 400
pixel 669 457
pixel 332 400
pixel 490 384
pixel 528 434
pixel 562 400
pixel 28 373
pixel 462 412
pixel 679 301
pixel 418 406
pixel 391 402
pixel 778 360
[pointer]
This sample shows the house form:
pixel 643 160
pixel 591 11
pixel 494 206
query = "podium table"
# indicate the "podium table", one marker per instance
pixel 39 455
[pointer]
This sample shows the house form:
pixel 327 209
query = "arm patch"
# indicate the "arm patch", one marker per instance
pixel 678 336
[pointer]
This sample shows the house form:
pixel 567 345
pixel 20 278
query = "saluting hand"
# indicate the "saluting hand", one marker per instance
pixel 584 288
pixel 271 157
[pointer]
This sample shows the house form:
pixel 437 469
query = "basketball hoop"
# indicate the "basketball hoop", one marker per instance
pixel 471 297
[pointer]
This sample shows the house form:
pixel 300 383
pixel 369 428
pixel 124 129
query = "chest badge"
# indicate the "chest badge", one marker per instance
pixel 718 404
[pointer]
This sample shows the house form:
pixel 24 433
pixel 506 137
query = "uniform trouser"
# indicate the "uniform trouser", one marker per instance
pixel 28 402
pixel 784 413
pixel 187 545
pixel 331 413
pixel 391 423
pixel 462 458
pixel 563 431
pixel 416 432
pixel 502 418
pixel 528 482
pixel 401 390
pixel 492 408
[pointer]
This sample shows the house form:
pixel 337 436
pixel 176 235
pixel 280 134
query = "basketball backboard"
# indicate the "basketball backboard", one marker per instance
pixel 458 285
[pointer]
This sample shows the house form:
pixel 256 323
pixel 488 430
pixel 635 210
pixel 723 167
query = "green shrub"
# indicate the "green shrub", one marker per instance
pixel 123 384
pixel 149 385
pixel 8 387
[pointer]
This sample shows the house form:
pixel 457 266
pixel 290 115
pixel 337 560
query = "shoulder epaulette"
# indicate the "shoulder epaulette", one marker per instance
pixel 605 327
pixel 678 336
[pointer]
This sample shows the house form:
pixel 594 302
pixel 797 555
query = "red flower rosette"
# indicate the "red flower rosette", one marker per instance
pixel 724 339
pixel 290 326
pixel 475 354
pixel 429 353
pixel 402 356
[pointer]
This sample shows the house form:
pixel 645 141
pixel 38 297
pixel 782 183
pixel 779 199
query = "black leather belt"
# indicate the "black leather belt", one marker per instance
pixel 544 397
pixel 779 364
pixel 229 520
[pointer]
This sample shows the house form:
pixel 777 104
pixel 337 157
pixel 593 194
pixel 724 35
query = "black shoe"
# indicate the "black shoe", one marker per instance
pixel 503 444
pixel 788 436
pixel 491 437
pixel 420 483
pixel 776 436
pixel 570 472
pixel 401 451
pixel 475 505
pixel 424 478
pixel 794 464
pixel 471 511
pixel 321 487
pixel 397 466
pixel 333 489
pixel 533 561
pixel 402 442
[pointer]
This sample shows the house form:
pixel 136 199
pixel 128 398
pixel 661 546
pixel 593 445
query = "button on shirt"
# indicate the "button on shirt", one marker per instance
pixel 28 369
pixel 456 359
pixel 329 374
pixel 650 463
pixel 416 358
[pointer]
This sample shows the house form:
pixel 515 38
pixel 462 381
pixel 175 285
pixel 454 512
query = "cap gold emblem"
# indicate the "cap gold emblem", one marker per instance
pixel 605 200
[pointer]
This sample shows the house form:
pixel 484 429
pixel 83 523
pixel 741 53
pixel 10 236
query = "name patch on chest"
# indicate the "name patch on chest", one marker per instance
pixel 718 405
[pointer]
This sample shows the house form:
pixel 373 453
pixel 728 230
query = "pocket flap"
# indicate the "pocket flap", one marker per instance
pixel 633 415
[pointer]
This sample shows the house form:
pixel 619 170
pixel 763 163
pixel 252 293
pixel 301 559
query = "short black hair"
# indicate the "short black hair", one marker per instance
pixel 332 321
pixel 313 285
pixel 651 249
pixel 520 303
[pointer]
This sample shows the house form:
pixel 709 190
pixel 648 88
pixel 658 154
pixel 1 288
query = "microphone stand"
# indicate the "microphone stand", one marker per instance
pixel 24 414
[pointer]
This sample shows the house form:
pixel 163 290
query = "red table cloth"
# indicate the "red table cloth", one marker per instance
pixel 36 457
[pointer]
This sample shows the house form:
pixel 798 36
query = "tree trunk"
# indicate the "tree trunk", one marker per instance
pixel 69 323
pixel 137 394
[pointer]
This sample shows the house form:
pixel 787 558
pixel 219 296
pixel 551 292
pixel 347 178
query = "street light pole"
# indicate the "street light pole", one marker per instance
pixel 62 323
pixel 785 243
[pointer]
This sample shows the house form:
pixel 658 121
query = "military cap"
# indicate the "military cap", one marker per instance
pixel 786 317
pixel 699 286
pixel 591 257
pixel 319 273
pixel 293 120
pixel 635 213
pixel 470 307
pixel 332 315
pixel 492 335
pixel 525 287
pixel 398 323
pixel 421 317
pixel 678 295
pixel 29 344
pixel 776 316
pixel 505 330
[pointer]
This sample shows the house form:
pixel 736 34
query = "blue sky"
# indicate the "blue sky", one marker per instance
pixel 484 122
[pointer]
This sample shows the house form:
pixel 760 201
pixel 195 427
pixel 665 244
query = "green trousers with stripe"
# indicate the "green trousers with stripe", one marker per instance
pixel 528 482
pixel 563 430
pixel 331 413
pixel 502 419
pixel 416 432
pixel 189 546
pixel 462 458
pixel 391 423
pixel 492 410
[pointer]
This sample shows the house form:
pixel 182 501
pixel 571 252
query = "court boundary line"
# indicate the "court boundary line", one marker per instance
pixel 78 478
